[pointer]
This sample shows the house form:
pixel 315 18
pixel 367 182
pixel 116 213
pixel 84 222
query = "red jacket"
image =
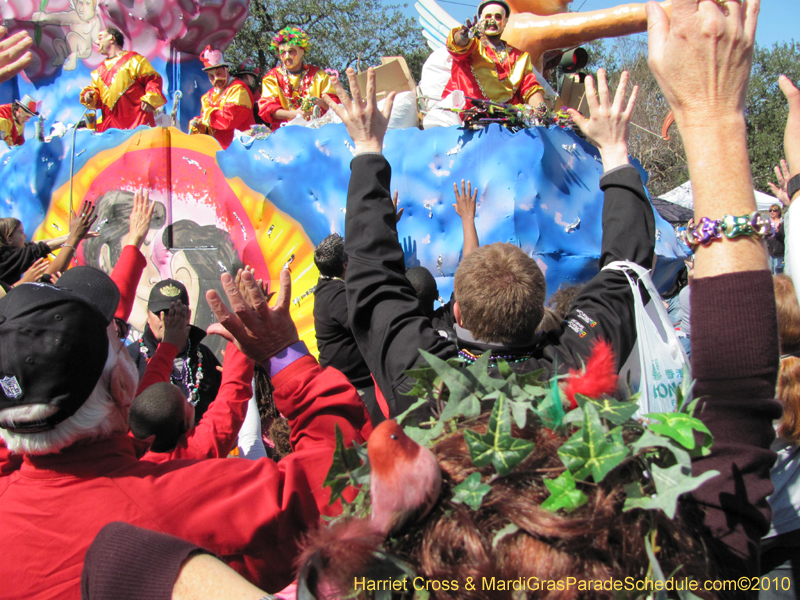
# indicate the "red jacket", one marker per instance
pixel 216 433
pixel 247 512
pixel 126 274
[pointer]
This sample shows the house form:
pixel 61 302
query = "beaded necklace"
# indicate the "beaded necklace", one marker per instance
pixel 185 375
pixel 288 89
pixel 503 57
pixel 470 358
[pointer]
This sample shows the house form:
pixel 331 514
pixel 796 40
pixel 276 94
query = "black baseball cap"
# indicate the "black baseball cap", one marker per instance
pixel 53 349
pixel 94 286
pixel 502 3
pixel 164 293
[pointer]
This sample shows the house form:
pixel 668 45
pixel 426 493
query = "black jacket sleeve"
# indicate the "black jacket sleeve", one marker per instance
pixel 15 261
pixel 605 307
pixel 384 312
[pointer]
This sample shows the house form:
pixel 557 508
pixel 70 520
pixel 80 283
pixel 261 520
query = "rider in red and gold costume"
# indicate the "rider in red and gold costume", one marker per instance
pixel 126 87
pixel 485 67
pixel 293 88
pixel 227 106
pixel 13 118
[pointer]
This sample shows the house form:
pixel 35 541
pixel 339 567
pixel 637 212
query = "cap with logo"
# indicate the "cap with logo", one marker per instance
pixel 164 293
pixel 53 347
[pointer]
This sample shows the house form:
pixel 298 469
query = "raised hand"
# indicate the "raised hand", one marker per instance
pixel 34 272
pixel 609 125
pixel 791 139
pixel 175 324
pixel 257 330
pixel 398 213
pixel 14 53
pixel 783 176
pixel 80 227
pixel 701 56
pixel 465 200
pixel 410 252
pixel 365 123
pixel 462 36
pixel 141 217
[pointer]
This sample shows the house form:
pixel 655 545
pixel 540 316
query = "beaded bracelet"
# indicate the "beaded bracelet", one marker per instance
pixel 706 231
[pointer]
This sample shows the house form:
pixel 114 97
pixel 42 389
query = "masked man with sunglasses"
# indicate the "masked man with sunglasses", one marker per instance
pixel 485 67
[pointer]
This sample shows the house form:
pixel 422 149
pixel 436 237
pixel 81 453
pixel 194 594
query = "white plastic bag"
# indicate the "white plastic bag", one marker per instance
pixel 656 364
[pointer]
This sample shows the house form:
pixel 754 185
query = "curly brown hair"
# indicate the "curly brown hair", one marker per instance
pixel 598 541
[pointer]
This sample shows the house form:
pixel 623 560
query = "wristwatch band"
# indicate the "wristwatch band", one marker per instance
pixel 793 186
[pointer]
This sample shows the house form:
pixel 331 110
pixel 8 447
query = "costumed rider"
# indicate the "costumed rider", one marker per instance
pixel 227 106
pixel 13 118
pixel 126 88
pixel 194 368
pixel 485 67
pixel 251 76
pixel 293 88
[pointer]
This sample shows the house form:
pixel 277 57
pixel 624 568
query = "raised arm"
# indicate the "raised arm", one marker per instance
pixel 174 324
pixel 215 434
pixel 628 231
pixel 79 229
pixel 789 178
pixel 314 400
pixel 465 208
pixel 383 308
pixel 702 57
pixel 128 270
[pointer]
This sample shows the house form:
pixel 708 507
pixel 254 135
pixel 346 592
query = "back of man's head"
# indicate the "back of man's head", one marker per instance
pixel 160 410
pixel 424 284
pixel 64 373
pixel 329 256
pixel 500 292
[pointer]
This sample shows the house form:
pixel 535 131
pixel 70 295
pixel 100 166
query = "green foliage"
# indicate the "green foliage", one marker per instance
pixel 341 31
pixel 681 427
pixel 608 408
pixel 350 467
pixel 471 491
pixel 592 450
pixel 497 446
pixel 767 109
pixel 670 484
pixel 563 493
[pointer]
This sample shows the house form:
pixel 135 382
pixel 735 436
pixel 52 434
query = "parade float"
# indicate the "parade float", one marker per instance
pixel 267 200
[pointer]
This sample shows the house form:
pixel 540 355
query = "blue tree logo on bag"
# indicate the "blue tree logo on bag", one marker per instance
pixel 656 369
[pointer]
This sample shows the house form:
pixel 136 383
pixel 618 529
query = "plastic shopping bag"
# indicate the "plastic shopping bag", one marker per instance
pixel 656 364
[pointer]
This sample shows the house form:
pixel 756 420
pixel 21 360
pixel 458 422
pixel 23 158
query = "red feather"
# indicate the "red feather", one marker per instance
pixel 598 378
pixel 340 551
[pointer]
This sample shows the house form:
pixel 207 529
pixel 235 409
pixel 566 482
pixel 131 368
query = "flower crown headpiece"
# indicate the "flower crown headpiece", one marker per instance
pixel 293 36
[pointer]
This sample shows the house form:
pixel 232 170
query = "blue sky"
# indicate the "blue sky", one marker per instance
pixel 777 22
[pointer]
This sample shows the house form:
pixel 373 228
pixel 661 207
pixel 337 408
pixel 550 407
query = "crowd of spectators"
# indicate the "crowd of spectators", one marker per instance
pixel 116 479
